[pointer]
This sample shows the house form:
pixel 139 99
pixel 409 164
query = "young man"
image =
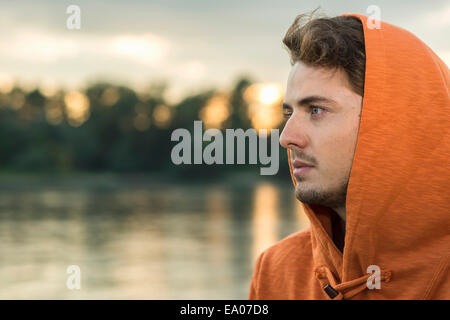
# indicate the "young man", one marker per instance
pixel 367 132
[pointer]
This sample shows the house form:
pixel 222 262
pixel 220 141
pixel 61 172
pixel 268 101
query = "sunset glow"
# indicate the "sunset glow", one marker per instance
pixel 264 101
pixel 77 108
pixel 215 112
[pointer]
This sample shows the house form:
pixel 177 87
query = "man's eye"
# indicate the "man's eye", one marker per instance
pixel 287 113
pixel 316 111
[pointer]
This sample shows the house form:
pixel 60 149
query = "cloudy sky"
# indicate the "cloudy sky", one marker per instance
pixel 192 44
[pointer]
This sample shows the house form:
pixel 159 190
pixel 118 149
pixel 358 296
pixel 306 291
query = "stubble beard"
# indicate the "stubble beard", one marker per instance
pixel 332 198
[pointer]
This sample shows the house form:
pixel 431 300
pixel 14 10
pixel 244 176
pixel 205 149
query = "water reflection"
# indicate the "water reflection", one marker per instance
pixel 140 241
pixel 265 219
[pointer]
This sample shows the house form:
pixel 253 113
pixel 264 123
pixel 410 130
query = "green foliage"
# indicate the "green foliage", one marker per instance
pixel 112 139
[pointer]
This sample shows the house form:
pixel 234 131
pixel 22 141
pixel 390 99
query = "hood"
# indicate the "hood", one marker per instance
pixel 398 204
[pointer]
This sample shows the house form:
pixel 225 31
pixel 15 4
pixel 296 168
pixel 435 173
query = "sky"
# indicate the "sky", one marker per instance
pixel 190 44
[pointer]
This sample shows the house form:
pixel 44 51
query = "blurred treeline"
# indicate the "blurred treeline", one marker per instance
pixel 111 128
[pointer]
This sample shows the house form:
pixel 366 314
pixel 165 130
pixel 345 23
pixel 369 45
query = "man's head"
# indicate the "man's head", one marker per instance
pixel 323 106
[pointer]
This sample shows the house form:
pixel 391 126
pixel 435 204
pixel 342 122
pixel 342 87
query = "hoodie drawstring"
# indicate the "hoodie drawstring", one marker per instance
pixel 347 289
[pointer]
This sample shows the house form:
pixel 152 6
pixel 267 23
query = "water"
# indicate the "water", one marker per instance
pixel 143 241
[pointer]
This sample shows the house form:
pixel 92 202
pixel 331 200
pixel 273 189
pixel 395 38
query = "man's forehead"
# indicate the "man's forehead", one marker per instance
pixel 307 80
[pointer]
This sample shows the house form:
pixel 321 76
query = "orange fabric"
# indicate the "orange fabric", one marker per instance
pixel 398 202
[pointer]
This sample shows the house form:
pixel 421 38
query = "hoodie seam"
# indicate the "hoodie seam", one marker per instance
pixel 437 275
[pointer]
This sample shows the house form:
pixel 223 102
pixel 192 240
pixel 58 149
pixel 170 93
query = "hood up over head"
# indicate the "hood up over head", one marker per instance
pixel 398 202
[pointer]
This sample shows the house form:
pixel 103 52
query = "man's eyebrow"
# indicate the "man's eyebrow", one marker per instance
pixel 311 99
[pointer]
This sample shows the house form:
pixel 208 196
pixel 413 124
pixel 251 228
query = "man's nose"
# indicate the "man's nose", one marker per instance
pixel 293 134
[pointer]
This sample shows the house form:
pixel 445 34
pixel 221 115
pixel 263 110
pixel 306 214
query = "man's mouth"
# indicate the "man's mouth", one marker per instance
pixel 300 168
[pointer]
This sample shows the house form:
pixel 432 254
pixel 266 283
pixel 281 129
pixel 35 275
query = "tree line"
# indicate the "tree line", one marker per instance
pixel 108 128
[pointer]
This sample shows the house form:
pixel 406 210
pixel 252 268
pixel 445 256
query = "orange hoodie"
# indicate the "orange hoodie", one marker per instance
pixel 398 204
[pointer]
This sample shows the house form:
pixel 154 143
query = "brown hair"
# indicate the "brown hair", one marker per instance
pixel 336 42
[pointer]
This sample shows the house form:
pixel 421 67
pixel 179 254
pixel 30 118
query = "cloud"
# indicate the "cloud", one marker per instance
pixel 41 46
pixel 36 46
pixel 438 18
pixel 147 49
pixel 192 70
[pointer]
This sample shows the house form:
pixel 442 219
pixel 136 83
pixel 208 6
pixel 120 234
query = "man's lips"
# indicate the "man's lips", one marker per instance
pixel 298 164
pixel 300 168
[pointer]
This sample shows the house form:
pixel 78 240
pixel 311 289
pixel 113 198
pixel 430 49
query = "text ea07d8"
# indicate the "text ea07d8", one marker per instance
pixel 246 309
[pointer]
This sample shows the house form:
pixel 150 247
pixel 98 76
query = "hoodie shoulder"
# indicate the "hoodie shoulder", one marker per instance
pixel 283 270
pixel 296 245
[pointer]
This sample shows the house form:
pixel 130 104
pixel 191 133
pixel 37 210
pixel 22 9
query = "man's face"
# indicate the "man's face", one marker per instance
pixel 323 115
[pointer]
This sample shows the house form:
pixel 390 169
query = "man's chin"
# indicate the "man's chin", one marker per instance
pixel 304 193
pixel 308 194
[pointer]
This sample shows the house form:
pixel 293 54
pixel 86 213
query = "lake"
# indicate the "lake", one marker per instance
pixel 139 240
